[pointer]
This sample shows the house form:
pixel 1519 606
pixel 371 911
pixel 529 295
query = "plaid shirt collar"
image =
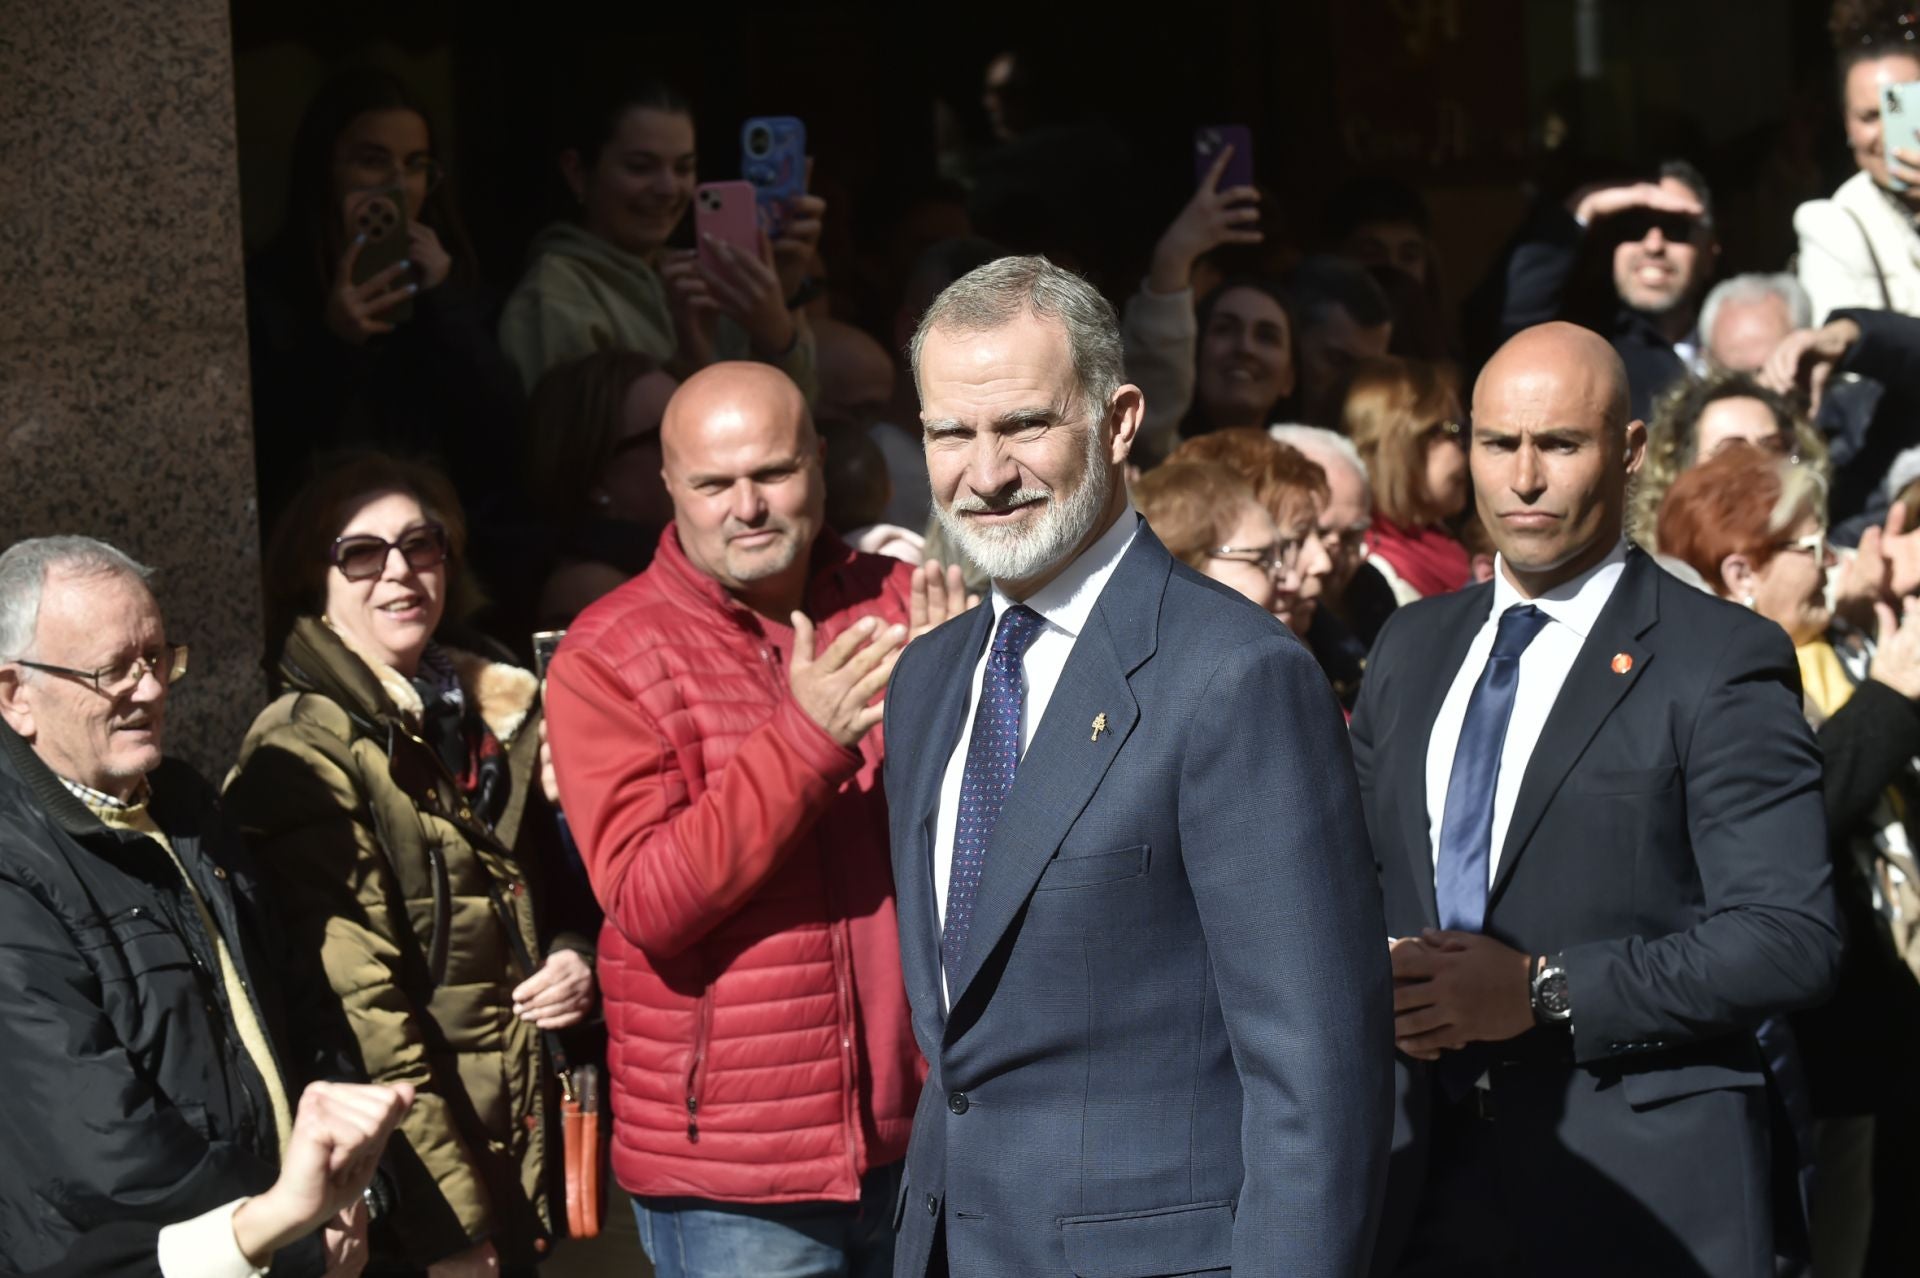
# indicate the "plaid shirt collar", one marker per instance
pixel 97 799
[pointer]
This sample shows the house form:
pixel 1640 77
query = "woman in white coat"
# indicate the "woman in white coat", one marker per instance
pixel 1861 248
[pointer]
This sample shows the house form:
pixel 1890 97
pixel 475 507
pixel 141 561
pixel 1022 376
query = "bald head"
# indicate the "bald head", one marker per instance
pixel 727 398
pixel 1551 451
pixel 742 464
pixel 1566 364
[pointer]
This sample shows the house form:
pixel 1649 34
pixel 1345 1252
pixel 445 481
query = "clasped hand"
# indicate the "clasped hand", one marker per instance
pixel 1455 988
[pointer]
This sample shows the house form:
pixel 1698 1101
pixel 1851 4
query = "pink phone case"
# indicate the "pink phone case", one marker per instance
pixel 728 212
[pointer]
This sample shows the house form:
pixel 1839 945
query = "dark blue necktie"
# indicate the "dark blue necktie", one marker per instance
pixel 993 755
pixel 1466 828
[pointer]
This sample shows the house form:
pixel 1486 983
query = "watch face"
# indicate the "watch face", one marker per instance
pixel 1553 992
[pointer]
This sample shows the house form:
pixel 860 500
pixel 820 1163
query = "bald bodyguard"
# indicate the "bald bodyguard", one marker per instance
pixel 1596 813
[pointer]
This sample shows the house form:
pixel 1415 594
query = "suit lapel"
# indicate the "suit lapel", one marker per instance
pixel 1430 686
pixel 1592 689
pixel 1065 762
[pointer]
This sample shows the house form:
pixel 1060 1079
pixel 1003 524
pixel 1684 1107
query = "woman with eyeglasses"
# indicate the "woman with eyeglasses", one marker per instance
pixel 1753 526
pixel 1209 519
pixel 392 793
pixel 1406 418
pixel 402 357
pixel 1696 420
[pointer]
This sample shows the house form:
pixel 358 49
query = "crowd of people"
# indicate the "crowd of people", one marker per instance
pixel 1247 774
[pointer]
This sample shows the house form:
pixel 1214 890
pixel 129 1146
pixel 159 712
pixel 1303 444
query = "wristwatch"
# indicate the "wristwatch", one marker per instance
pixel 1548 993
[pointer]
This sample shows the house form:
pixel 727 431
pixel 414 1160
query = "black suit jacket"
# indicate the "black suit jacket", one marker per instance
pixel 1168 1049
pixel 1669 840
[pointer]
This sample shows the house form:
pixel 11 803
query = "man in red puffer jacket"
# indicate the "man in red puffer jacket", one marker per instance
pixel 715 735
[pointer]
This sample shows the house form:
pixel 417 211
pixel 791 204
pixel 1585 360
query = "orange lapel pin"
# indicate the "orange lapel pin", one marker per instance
pixel 1622 663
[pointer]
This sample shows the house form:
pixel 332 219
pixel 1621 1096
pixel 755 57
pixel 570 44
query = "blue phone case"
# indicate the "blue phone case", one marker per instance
pixel 773 156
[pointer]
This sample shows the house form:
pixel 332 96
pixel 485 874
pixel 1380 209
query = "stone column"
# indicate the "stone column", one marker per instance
pixel 123 347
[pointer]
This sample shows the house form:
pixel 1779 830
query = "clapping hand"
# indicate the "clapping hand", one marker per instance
pixel 836 688
pixel 936 597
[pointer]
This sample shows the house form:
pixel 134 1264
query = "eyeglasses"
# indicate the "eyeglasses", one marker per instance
pixel 364 557
pixel 1814 544
pixel 168 663
pixel 1281 556
pixel 1344 541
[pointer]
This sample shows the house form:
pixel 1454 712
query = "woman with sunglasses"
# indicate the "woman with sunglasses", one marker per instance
pixel 1405 417
pixel 402 357
pixel 1752 524
pixel 391 793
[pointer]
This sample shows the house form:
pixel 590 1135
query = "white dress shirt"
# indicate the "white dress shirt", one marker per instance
pixel 1064 604
pixel 1572 608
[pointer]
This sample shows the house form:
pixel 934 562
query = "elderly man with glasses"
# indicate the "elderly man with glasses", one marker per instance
pixel 140 1023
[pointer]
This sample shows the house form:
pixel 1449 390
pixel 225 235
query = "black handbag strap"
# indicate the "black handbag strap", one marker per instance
pixel 556 1052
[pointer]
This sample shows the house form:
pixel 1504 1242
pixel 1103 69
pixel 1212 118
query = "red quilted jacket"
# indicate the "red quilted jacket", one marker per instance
pixel 759 1040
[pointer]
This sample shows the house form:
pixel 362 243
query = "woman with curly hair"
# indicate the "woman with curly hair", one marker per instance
pixel 1697 420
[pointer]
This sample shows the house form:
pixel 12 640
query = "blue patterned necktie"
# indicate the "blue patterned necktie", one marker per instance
pixel 993 755
pixel 1466 828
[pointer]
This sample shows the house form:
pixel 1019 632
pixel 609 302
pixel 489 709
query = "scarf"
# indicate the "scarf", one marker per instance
pixel 1428 559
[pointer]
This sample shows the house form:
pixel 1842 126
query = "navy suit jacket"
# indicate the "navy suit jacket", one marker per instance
pixel 1669 840
pixel 1168 1050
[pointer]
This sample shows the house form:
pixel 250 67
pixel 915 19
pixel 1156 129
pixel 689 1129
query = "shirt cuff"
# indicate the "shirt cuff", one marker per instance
pixel 205 1247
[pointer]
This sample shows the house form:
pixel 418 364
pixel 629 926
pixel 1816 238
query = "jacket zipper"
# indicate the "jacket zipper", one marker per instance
pixel 702 1024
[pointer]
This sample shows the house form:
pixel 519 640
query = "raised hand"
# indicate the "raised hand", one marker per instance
pixel 936 597
pixel 1805 359
pixel 747 289
pixel 1211 218
pixel 836 688
pixel 354 310
pixel 1591 203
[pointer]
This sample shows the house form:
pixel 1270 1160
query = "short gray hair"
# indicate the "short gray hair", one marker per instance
pixel 1003 290
pixel 1319 437
pixel 24 570
pixel 1756 286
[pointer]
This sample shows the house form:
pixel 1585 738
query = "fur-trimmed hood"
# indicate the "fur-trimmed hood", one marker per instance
pixel 319 657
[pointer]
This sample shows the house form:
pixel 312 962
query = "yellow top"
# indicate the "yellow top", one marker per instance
pixel 253 1036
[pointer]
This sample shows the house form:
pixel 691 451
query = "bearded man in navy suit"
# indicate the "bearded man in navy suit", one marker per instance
pixel 1140 926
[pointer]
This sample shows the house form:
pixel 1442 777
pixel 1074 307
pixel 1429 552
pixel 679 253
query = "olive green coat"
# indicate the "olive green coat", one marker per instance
pixel 381 870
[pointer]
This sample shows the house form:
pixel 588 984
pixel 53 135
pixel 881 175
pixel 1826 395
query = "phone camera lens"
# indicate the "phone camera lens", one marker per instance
pixel 759 140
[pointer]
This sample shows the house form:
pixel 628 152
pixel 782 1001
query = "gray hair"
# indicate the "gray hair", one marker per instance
pixel 1756 287
pixel 1002 291
pixel 24 570
pixel 1324 440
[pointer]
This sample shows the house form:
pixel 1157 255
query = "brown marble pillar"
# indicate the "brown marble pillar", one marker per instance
pixel 123 346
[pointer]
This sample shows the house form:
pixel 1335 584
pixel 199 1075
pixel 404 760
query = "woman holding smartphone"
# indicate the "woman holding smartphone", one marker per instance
pixel 391 793
pixel 605 278
pixel 1861 248
pixel 366 326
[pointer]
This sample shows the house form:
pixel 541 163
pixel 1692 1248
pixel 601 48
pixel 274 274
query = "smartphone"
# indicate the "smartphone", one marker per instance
pixel 728 212
pixel 1899 118
pixel 380 215
pixel 545 644
pixel 1210 139
pixel 773 156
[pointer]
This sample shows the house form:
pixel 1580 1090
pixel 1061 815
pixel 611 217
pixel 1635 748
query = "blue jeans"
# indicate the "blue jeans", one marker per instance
pixel 697 1238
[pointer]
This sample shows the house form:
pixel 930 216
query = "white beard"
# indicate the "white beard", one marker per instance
pixel 1017 554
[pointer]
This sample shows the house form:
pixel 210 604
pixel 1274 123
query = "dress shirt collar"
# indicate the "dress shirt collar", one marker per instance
pixel 1067 601
pixel 100 800
pixel 1575 604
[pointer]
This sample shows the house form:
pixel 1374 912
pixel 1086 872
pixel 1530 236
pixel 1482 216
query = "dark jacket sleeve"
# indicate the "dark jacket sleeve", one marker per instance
pixel 1276 851
pixel 1769 937
pixel 1867 744
pixel 76 1116
pixel 1888 350
pixel 1528 283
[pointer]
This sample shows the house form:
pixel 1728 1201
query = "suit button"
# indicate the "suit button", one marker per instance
pixel 933 1205
pixel 220 873
pixel 957 1102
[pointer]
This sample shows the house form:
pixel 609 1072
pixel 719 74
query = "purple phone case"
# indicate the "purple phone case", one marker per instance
pixel 1209 139
pixel 773 156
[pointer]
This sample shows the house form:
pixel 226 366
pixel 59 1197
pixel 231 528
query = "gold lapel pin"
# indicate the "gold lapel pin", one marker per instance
pixel 1622 663
pixel 1099 725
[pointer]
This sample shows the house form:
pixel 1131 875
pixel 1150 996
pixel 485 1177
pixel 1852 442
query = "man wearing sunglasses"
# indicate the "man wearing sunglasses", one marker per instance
pixel 140 1023
pixel 1630 260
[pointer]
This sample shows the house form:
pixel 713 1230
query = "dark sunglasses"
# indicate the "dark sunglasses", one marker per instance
pixel 363 557
pixel 1634 224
